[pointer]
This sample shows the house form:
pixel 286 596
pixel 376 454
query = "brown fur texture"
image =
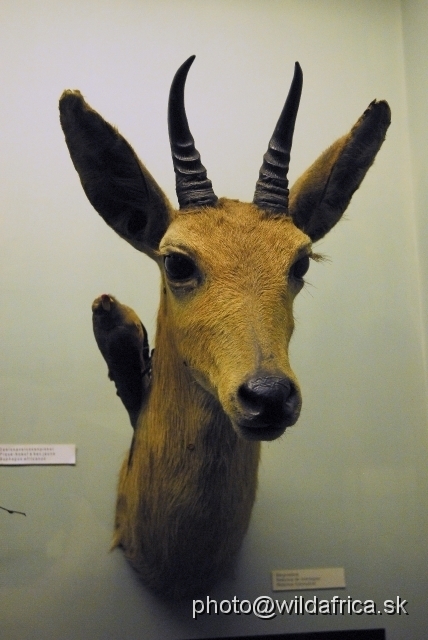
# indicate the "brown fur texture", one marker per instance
pixel 187 488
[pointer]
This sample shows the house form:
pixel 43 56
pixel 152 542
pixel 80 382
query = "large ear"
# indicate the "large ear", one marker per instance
pixel 320 196
pixel 116 183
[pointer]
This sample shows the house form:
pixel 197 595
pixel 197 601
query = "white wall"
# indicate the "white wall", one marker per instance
pixel 415 47
pixel 348 485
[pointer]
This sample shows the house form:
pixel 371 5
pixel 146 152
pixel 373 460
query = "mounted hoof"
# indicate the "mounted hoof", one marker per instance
pixel 122 340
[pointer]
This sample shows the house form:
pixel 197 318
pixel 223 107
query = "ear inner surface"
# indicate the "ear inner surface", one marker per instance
pixel 321 195
pixel 116 183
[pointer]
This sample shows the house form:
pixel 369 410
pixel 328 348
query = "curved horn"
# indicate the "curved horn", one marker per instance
pixel 192 185
pixel 272 186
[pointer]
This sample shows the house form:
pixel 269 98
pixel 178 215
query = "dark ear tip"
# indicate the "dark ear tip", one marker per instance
pixel 380 110
pixel 70 99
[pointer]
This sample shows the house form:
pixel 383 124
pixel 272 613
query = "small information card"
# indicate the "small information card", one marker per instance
pixel 295 579
pixel 22 454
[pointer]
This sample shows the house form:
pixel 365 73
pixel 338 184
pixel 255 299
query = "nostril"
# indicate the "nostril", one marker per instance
pixel 266 405
pixel 266 397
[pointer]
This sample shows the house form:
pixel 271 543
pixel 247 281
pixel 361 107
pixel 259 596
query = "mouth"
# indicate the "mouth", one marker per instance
pixel 265 433
pixel 267 426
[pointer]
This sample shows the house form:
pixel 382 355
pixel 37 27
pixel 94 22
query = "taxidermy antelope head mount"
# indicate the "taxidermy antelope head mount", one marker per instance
pixel 219 380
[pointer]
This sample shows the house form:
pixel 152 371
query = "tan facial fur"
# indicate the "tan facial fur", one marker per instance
pixel 236 318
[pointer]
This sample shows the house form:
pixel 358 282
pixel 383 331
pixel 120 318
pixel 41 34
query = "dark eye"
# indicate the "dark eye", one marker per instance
pixel 299 268
pixel 179 267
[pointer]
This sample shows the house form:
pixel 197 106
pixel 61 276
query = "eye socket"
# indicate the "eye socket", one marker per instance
pixel 179 267
pixel 299 268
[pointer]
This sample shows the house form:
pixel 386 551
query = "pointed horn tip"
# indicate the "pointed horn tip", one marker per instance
pixel 298 72
pixel 180 77
pixel 186 65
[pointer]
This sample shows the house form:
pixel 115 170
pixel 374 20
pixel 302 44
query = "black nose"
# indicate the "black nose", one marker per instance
pixel 269 401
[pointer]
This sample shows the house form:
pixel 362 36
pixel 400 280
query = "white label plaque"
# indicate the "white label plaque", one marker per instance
pixel 298 579
pixel 22 454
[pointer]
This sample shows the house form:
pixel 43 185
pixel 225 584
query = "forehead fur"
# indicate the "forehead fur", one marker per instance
pixel 232 230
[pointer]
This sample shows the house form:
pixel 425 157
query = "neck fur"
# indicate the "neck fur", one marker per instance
pixel 186 492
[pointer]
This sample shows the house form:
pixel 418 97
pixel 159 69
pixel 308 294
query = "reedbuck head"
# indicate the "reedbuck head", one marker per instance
pixel 230 270
pixel 221 379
